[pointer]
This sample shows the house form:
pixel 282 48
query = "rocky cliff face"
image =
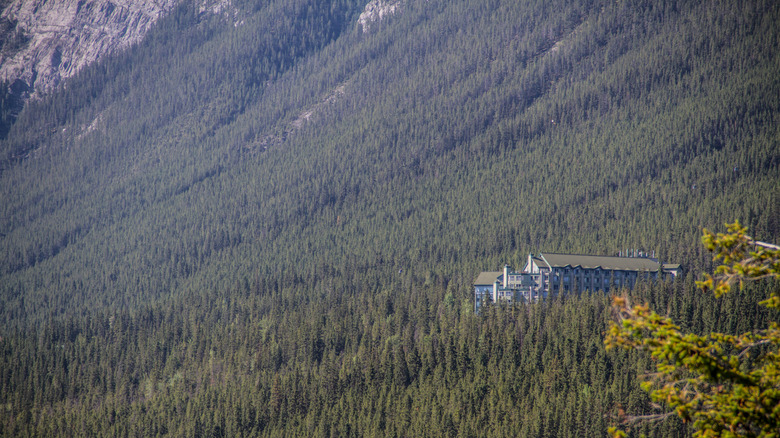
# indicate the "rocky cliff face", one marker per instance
pixel 376 10
pixel 45 41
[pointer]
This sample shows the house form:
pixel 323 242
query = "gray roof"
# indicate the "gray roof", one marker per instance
pixel 592 262
pixel 487 278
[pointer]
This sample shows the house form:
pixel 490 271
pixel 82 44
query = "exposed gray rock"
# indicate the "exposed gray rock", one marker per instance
pixel 45 41
pixel 223 8
pixel 375 10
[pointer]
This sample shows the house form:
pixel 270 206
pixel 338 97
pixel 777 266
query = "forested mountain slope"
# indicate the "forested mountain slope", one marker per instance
pixel 43 42
pixel 464 136
pixel 279 163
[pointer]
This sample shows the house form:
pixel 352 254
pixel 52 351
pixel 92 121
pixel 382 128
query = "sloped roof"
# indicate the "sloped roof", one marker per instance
pixel 592 262
pixel 487 278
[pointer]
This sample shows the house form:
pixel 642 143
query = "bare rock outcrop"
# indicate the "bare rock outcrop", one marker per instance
pixel 376 10
pixel 45 41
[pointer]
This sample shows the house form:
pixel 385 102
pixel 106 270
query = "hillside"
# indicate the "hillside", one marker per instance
pixel 42 42
pixel 320 193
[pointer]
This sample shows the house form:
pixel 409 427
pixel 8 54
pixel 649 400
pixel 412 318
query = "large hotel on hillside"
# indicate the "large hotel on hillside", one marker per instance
pixel 546 274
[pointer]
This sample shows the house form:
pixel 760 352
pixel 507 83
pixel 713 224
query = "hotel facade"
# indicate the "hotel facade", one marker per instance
pixel 551 274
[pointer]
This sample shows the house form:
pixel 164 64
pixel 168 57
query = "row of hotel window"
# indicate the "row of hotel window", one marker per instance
pixel 616 275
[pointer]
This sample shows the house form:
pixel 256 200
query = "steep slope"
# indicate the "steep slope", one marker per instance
pixel 266 221
pixel 62 37
pixel 509 129
pixel 42 43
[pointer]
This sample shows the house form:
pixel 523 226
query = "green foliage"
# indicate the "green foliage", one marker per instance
pixel 251 221
pixel 743 259
pixel 238 362
pixel 119 190
pixel 728 385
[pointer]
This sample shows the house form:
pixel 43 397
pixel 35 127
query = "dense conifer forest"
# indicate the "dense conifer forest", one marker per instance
pixel 266 221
